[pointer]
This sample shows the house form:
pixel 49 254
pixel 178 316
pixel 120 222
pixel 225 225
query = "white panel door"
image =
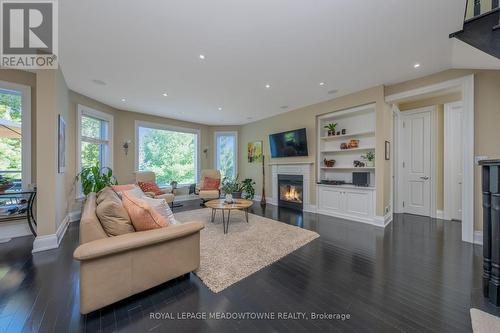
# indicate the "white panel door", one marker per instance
pixel 453 160
pixel 416 159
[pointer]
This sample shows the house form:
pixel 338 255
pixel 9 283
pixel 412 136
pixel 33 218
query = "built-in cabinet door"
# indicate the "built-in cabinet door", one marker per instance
pixel 358 203
pixel 331 199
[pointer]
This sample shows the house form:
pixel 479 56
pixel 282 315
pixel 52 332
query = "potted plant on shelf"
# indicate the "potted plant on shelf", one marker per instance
pixel 369 157
pixel 331 128
pixel 5 184
pixel 247 187
pixel 95 178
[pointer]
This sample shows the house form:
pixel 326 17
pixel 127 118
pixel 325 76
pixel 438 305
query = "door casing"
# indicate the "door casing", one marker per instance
pixel 450 165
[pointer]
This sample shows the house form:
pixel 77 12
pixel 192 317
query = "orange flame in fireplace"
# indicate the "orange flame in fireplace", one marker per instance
pixel 292 194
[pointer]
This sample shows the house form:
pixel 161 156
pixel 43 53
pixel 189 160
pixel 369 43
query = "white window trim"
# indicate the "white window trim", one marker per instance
pixel 140 123
pixel 217 133
pixel 83 110
pixel 25 128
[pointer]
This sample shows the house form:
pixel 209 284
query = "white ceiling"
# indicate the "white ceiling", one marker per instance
pixel 142 49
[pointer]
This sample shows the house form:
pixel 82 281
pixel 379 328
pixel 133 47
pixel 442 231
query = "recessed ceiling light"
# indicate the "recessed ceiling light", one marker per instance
pixel 322 83
pixel 417 65
pixel 220 109
pixel 333 91
pixel 202 56
pixel 123 99
pixel 165 94
pixel 268 86
pixel 99 82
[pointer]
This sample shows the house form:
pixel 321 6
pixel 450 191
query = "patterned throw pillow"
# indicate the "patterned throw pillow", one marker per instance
pixel 210 184
pixel 143 216
pixel 150 187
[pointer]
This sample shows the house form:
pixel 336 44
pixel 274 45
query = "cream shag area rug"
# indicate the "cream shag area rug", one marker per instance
pixel 245 249
pixel 483 322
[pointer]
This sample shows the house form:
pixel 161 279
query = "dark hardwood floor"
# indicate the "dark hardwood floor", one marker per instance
pixel 414 276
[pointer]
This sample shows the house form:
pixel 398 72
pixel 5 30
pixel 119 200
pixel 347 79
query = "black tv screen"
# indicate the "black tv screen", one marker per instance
pixel 291 143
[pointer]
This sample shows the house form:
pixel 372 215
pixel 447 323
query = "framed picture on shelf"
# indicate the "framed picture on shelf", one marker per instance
pixel 387 150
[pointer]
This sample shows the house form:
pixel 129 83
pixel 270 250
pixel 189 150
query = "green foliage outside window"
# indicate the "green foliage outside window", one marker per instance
pixel 170 155
pixel 10 148
pixel 226 156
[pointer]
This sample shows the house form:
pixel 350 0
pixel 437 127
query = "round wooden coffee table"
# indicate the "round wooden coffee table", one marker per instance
pixel 239 204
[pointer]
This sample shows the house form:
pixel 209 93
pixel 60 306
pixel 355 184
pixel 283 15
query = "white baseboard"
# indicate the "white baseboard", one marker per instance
pixel 9 230
pixel 49 242
pixel 383 221
pixel 478 237
pixel 310 208
pixel 440 214
pixel 186 197
pixel 268 199
pixel 75 216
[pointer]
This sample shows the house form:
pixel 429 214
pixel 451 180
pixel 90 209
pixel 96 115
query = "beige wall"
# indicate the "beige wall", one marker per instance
pixel 306 117
pixel 53 200
pixel 486 117
pixel 124 129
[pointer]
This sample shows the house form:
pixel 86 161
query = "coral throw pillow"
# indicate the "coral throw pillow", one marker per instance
pixel 121 188
pixel 150 187
pixel 211 183
pixel 143 216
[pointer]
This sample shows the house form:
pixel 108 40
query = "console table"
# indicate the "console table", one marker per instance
pixel 18 204
pixel 491 229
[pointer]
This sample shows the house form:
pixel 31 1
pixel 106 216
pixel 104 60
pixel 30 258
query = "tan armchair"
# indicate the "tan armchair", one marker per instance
pixel 206 195
pixel 150 177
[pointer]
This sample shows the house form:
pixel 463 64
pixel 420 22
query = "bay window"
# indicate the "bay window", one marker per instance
pixel 170 152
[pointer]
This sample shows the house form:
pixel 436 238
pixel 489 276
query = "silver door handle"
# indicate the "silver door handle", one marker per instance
pixel 424 177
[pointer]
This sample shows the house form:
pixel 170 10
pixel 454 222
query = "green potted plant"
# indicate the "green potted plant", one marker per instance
pixel 5 184
pixel 331 128
pixel 231 186
pixel 247 187
pixel 95 178
pixel 369 157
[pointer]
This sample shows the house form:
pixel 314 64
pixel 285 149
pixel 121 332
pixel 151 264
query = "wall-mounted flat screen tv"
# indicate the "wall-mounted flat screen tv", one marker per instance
pixel 287 144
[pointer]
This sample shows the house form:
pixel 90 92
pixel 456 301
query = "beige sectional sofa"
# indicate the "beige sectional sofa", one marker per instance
pixel 113 268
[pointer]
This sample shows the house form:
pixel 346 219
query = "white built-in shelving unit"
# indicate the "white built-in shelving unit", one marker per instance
pixel 346 201
pixel 359 124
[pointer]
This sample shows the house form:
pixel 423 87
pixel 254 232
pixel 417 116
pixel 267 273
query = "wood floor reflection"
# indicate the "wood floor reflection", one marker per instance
pixel 416 275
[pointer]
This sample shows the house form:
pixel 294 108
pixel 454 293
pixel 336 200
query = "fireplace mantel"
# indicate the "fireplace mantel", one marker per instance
pixel 292 168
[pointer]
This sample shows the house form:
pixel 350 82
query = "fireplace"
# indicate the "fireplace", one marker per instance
pixel 290 191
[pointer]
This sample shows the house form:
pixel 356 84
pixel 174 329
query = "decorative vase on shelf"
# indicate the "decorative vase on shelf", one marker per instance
pixel 370 164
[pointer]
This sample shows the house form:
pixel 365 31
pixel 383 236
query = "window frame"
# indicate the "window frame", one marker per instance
pixel 83 110
pixel 25 92
pixel 216 148
pixel 196 131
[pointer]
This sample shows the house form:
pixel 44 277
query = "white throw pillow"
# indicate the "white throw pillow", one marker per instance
pixel 159 205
